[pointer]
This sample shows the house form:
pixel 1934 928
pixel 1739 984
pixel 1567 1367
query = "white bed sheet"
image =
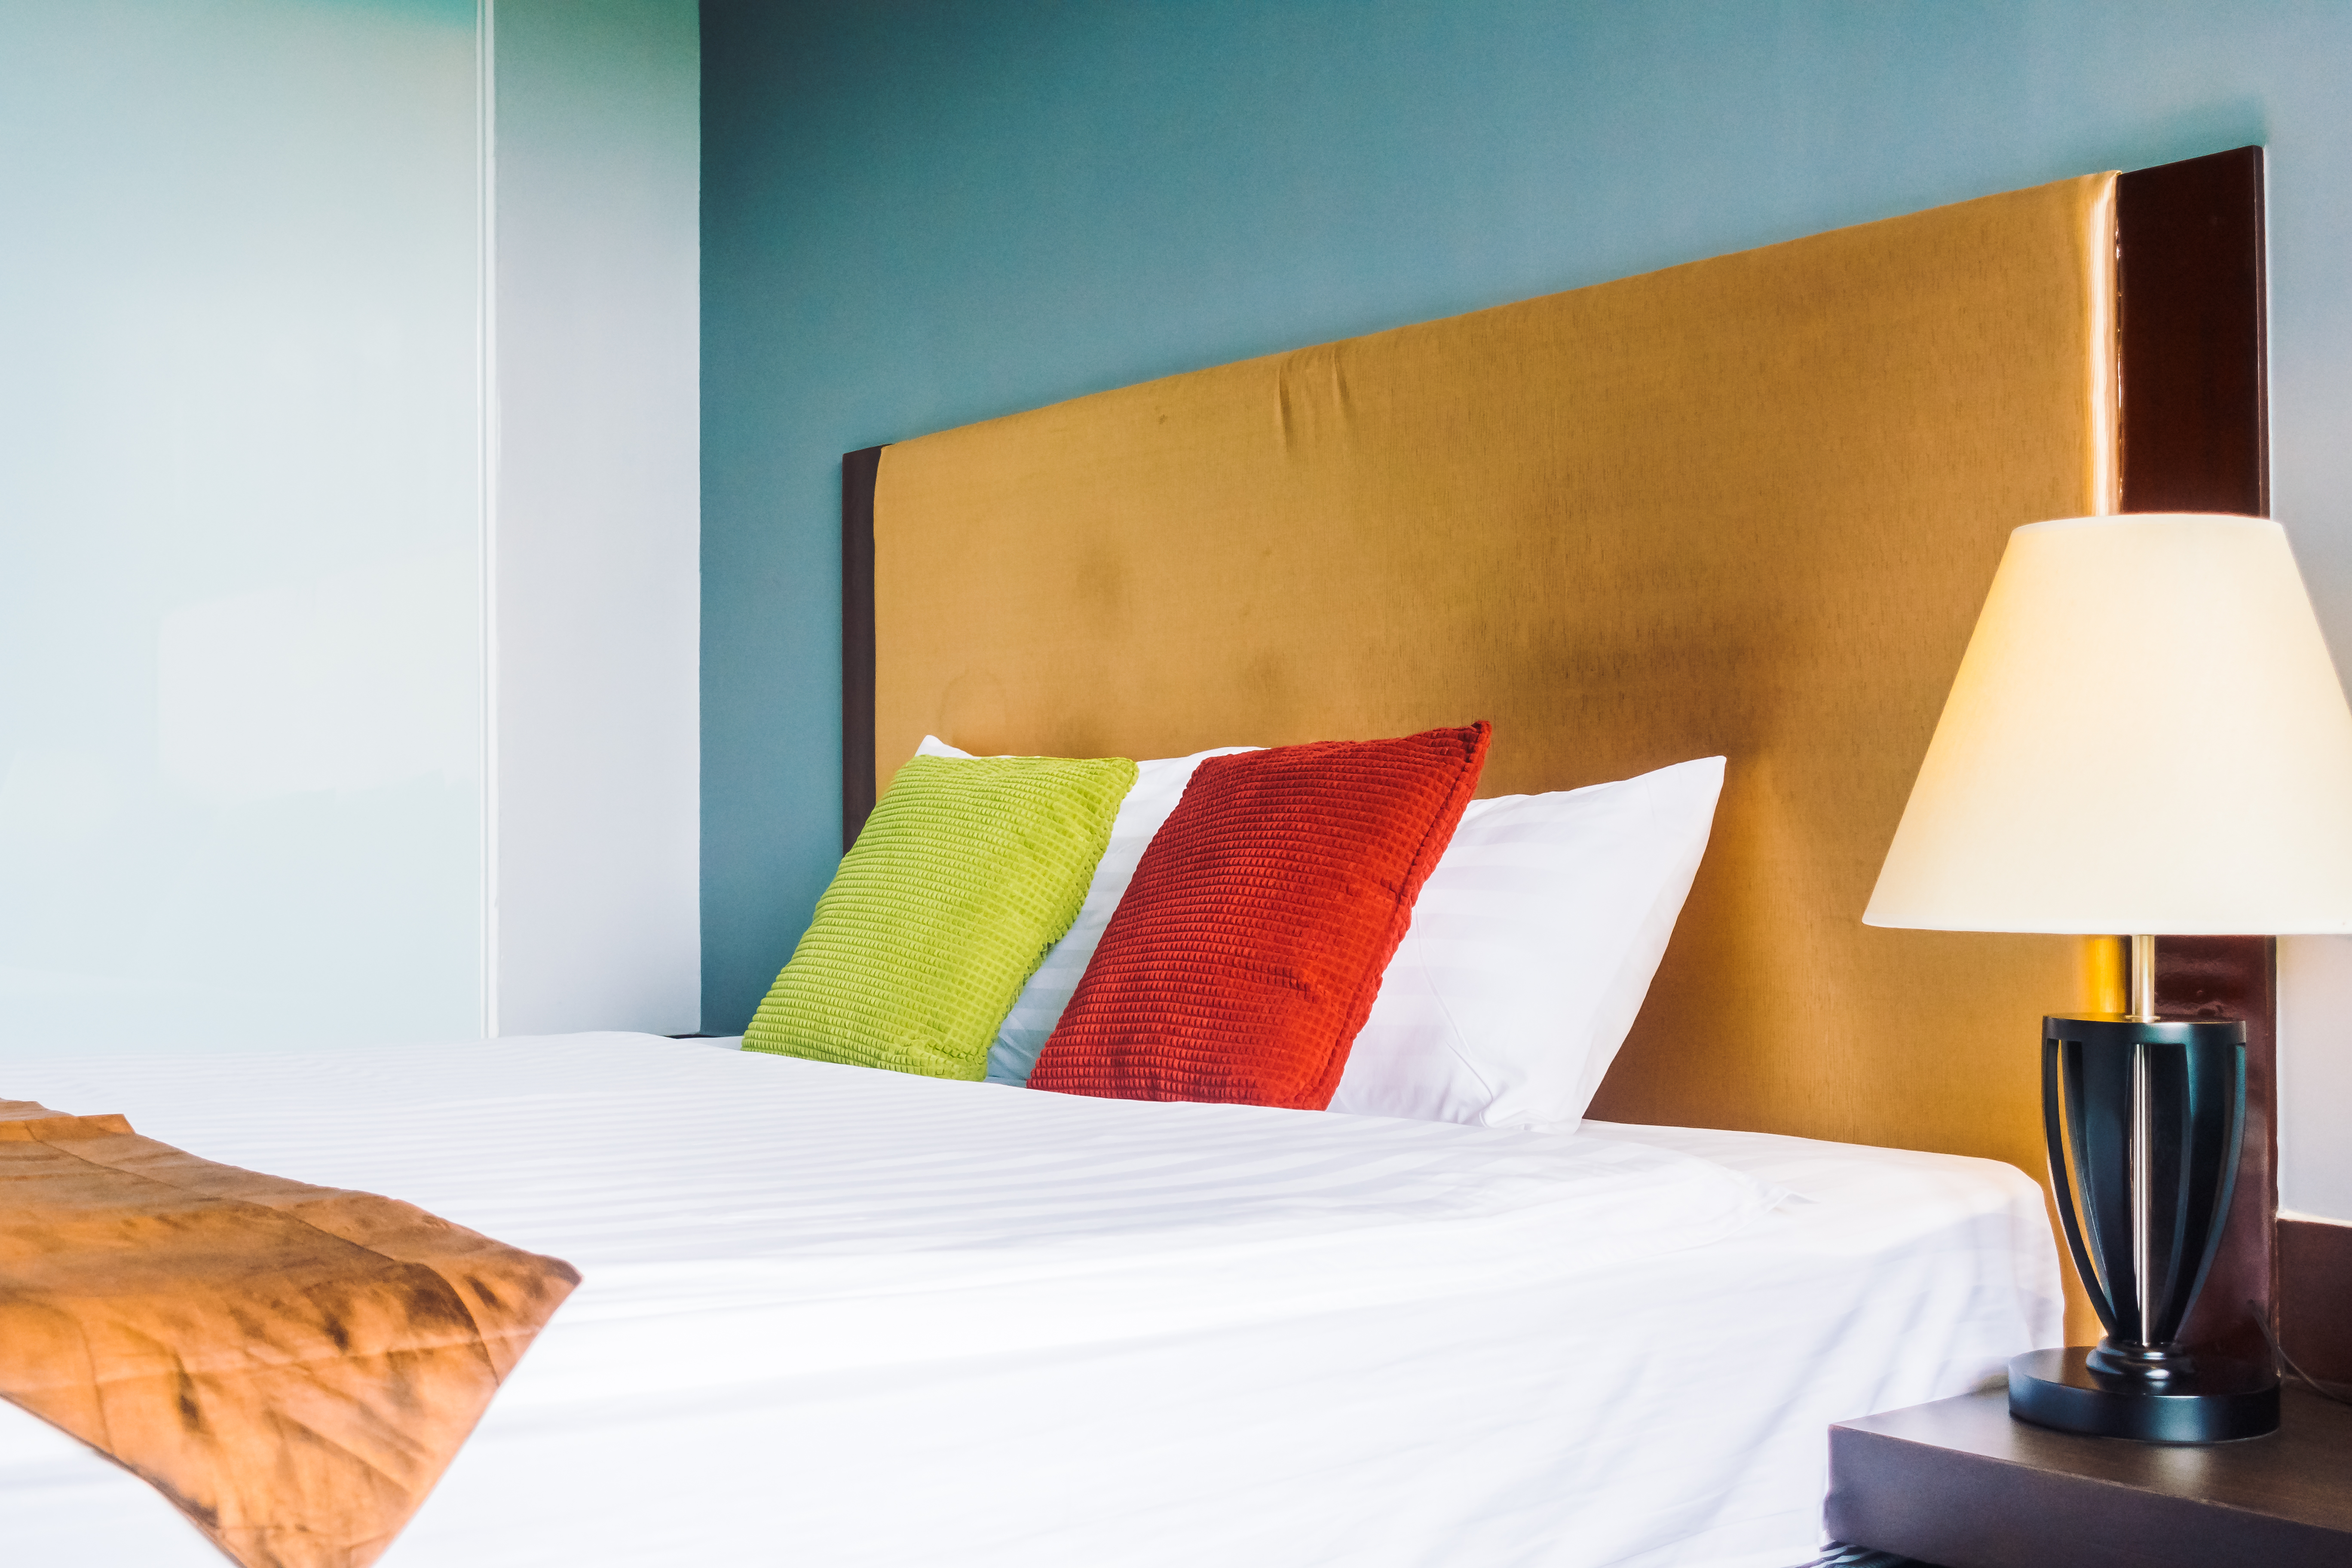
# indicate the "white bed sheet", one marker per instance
pixel 839 1317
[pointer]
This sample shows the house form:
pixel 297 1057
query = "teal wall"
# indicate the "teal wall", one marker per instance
pixel 920 215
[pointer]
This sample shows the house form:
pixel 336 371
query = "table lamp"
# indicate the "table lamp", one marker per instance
pixel 2146 736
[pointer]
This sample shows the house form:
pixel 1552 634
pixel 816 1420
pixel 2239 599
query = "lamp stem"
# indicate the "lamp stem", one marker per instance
pixel 2140 1190
pixel 2142 979
pixel 2143 1010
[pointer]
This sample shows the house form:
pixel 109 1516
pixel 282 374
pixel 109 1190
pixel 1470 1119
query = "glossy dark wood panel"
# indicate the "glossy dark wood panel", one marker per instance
pixel 2190 270
pixel 2235 977
pixel 1961 1484
pixel 858 474
pixel 2195 431
pixel 2314 1299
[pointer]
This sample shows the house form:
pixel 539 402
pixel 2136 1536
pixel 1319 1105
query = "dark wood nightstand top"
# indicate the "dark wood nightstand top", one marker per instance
pixel 1961 1484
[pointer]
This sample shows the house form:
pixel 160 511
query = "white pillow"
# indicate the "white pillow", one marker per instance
pixel 1159 785
pixel 1532 945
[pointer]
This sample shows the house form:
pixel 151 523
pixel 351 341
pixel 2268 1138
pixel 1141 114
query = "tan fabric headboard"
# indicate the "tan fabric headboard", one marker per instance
pixel 1747 506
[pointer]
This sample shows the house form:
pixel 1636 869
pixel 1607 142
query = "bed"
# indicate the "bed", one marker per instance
pixel 1745 507
pixel 832 1315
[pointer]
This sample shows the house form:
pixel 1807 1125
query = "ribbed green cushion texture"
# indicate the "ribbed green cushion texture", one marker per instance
pixel 965 874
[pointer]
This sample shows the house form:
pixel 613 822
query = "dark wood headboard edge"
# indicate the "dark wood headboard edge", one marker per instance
pixel 859 471
pixel 2192 318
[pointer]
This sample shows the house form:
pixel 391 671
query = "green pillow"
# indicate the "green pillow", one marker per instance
pixel 965 874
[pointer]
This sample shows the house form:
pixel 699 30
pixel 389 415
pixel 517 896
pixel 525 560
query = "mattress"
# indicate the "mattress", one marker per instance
pixel 841 1317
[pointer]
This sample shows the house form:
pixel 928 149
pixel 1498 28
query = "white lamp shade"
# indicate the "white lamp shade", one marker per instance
pixel 2146 736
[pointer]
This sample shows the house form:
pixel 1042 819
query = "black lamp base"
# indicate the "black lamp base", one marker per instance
pixel 2214 1401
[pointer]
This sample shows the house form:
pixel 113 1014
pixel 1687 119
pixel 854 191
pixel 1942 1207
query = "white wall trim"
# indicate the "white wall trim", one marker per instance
pixel 486 403
pixel 593 518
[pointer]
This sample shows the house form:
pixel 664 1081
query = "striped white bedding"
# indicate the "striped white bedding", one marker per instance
pixel 840 1317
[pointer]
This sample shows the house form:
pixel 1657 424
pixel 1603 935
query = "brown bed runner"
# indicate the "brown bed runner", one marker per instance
pixel 294 1367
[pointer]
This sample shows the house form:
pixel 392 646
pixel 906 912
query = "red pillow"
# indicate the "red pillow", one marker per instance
pixel 1248 949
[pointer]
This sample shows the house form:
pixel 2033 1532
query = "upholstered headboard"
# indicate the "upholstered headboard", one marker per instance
pixel 1747 506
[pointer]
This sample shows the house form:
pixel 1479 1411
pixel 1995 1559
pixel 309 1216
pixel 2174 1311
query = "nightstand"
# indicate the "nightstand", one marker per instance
pixel 1960 1484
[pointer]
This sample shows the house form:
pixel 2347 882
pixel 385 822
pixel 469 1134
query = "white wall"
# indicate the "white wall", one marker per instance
pixel 240 679
pixel 252 742
pixel 2316 1076
pixel 597 516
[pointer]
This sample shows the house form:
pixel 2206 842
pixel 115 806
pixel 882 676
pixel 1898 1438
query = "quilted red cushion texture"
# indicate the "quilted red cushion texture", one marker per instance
pixel 1248 949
